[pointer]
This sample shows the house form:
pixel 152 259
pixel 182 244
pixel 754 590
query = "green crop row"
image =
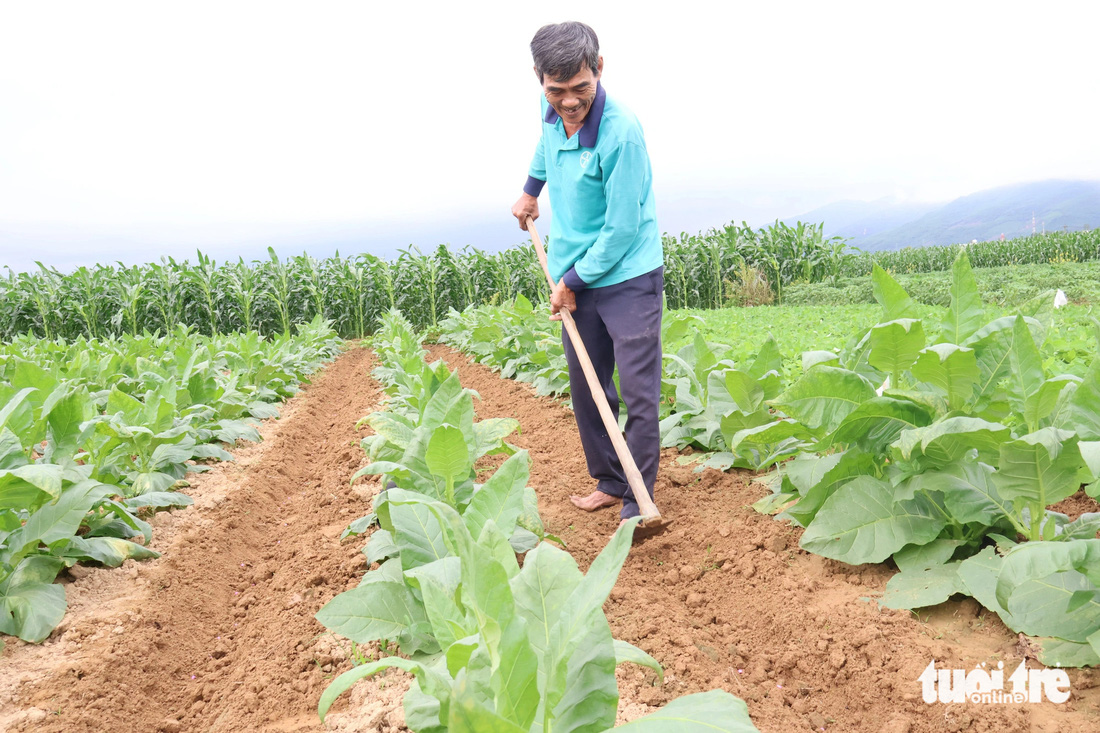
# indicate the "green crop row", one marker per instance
pixel 1008 286
pixel 734 265
pixel 1039 249
pixel 353 293
pixel 95 435
pixel 935 437
pixel 270 296
pixel 493 646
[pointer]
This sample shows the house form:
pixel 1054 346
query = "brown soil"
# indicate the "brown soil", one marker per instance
pixel 219 634
pixel 1076 505
pixel 725 598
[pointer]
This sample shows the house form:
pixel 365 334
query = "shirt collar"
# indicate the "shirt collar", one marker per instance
pixel 591 128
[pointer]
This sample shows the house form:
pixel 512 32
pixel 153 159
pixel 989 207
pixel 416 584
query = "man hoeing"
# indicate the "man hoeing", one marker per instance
pixel 604 252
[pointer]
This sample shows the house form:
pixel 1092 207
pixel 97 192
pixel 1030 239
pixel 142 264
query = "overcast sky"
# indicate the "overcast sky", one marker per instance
pixel 129 130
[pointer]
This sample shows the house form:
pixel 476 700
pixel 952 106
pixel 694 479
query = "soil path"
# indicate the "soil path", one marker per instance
pixel 218 634
pixel 725 598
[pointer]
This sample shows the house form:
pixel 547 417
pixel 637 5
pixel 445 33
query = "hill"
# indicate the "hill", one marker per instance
pixel 857 220
pixel 986 215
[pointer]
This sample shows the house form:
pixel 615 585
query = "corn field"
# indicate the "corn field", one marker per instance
pixel 271 296
pixel 1039 249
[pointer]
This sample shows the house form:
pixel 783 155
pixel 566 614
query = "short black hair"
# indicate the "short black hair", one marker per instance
pixel 561 50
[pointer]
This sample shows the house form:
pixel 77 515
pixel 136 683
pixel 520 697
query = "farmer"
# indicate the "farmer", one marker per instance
pixel 605 252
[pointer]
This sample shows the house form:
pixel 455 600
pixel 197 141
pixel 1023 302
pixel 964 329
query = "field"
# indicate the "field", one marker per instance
pixel 734 265
pixel 417 501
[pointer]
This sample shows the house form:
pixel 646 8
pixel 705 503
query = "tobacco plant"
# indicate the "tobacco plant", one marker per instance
pixel 93 433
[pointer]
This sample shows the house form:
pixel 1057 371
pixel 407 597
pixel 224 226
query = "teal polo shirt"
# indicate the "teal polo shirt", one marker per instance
pixel 604 225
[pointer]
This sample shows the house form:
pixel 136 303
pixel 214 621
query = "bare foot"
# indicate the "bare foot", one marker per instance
pixel 596 500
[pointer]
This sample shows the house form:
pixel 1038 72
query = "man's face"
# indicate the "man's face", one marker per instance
pixel 572 98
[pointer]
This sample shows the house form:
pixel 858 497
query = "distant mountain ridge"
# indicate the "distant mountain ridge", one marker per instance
pixel 985 215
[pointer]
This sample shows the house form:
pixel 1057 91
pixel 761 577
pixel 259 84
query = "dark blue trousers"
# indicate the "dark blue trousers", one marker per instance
pixel 620 325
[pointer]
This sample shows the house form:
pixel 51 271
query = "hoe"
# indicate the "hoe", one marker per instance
pixel 651 518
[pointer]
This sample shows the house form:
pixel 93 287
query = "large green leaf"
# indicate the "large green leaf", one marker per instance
pixel 1055 652
pixel 26 487
pixel 824 396
pixel 895 302
pixel 491 433
pixel 951 370
pixel 109 551
pixel 469 715
pixel 1025 374
pixel 992 344
pixel 65 417
pixel 416 530
pixel 715 711
pixel 57 520
pixel 878 422
pixel 1084 406
pixel 449 622
pixel 1040 468
pixel 862 523
pixel 583 694
pixel 381 546
pixel 17 413
pixel 31 605
pixel 946 441
pixel 848 465
pixel 541 589
pixel 734 389
pixel 1040 559
pixel 381 610
pixel 768 359
pixel 979 575
pixel 394 428
pixel 921 557
pixel 920 588
pixel 448 403
pixel 448 455
pixel 895 345
pixel 1045 605
pixel 580 652
pixel 969 492
pixel 805 471
pixel 500 499
pixel 11 451
pixel 811 359
pixel 966 314
pixel 514 678
pixel 770 433
pixel 1051 406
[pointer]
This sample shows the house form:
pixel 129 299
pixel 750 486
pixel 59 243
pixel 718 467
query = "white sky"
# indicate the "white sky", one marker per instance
pixel 134 129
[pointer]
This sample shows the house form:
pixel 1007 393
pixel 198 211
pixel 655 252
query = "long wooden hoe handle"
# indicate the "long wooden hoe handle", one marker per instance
pixel 630 468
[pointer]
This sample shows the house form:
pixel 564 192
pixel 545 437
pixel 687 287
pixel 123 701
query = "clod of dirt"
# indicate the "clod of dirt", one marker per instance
pixel 898 725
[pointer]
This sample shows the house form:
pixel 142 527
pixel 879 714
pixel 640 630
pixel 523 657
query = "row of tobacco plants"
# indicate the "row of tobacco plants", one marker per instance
pixel 96 435
pixel 938 444
pixel 493 645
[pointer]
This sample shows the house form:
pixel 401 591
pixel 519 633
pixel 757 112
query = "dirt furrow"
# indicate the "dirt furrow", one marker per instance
pixel 218 634
pixel 727 599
